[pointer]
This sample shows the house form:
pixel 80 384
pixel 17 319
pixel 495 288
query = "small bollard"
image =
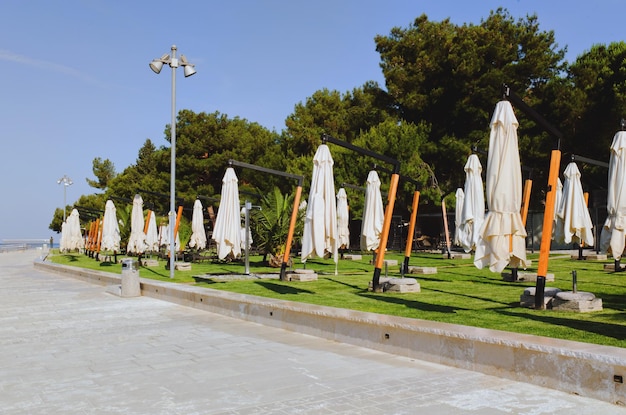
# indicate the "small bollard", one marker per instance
pixel 574 281
pixel 130 278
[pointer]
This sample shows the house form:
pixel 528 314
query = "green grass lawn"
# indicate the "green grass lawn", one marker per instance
pixel 458 293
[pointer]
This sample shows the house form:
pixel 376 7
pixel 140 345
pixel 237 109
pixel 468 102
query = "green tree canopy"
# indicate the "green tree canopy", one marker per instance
pixel 450 77
pixel 104 170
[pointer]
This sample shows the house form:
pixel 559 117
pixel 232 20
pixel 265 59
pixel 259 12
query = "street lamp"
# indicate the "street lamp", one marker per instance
pixel 189 70
pixel 66 181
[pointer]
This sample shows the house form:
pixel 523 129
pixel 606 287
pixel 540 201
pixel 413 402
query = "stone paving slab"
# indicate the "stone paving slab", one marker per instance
pixel 69 347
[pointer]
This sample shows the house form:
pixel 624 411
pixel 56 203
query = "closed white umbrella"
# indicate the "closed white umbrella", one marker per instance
pixel 458 213
pixel 152 236
pixel 557 224
pixel 137 238
pixel 74 239
pixel 320 224
pixel 343 219
pixel 574 220
pixel 373 213
pixel 164 236
pixel 502 239
pixel 64 232
pixel 198 233
pixel 110 229
pixel 613 235
pixel 473 211
pixel 227 231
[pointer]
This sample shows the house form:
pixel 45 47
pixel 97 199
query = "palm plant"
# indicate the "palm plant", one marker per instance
pixel 271 223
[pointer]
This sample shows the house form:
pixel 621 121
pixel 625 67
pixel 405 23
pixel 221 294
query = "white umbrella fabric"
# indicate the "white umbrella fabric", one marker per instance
pixel 473 211
pixel 73 239
pixel 343 219
pixel 557 225
pixel 613 235
pixel 227 231
pixel 320 224
pixel 573 218
pixel 110 229
pixel 62 244
pixel 152 236
pixel 502 239
pixel 164 236
pixel 198 233
pixel 373 213
pixel 137 238
pixel 459 231
pixel 243 230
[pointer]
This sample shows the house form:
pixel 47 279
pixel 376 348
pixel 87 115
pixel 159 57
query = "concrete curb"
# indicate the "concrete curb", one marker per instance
pixel 580 368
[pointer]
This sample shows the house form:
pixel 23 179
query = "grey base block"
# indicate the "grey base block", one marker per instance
pixel 301 275
pixel 580 301
pixel 595 257
pixel 457 255
pixel 523 276
pixel 182 266
pixel 398 285
pixel 422 270
pixel 527 299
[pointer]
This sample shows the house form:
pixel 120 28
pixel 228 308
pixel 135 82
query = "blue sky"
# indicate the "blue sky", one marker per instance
pixel 76 83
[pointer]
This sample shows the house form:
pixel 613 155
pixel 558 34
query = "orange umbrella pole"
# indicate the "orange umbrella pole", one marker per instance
pixel 179 214
pixel 292 227
pixel 90 238
pixel 99 228
pixel 384 236
pixel 528 185
pixel 546 232
pixel 145 227
pixel 445 226
pixel 410 235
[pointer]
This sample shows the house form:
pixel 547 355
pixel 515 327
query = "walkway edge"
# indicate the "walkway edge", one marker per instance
pixel 579 368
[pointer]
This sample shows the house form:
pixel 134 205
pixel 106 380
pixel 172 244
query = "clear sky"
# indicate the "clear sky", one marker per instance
pixel 76 83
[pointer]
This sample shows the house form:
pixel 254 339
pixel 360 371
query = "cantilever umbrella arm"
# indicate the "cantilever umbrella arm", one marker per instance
pixel 409 239
pixel 393 187
pixel 294 212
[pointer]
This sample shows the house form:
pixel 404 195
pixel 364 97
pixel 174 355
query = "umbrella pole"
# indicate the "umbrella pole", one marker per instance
pixel 99 232
pixel 546 234
pixel 248 206
pixel 409 238
pixel 581 244
pixel 384 236
pixel 178 216
pixel 292 226
pixel 145 228
pixel 445 226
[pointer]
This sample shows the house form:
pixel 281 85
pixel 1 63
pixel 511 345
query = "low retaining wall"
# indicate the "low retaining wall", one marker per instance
pixel 579 368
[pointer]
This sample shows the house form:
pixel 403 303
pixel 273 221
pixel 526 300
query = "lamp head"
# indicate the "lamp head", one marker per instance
pixel 188 67
pixel 189 70
pixel 156 66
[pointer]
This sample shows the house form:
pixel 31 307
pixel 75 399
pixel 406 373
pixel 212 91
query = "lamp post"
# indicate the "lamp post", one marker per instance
pixel 66 181
pixel 189 70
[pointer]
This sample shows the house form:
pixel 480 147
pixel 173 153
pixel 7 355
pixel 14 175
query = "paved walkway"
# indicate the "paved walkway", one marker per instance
pixel 68 347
